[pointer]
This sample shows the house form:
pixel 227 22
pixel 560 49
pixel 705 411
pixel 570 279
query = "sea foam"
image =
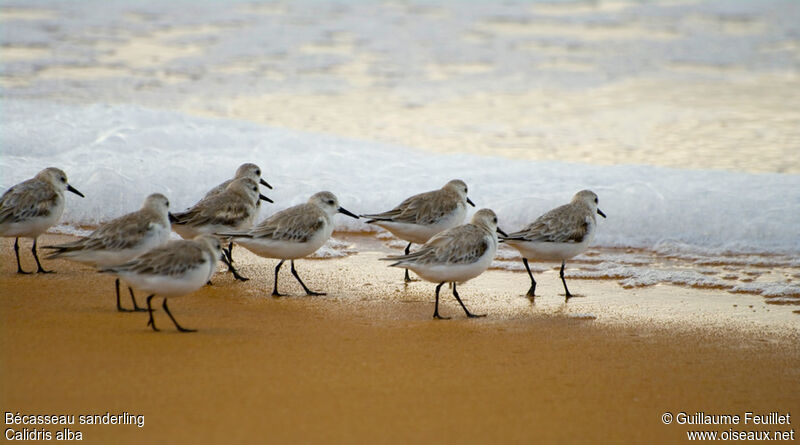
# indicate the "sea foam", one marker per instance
pixel 118 154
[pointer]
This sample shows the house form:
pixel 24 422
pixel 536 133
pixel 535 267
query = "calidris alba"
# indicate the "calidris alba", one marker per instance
pixel 293 233
pixel 422 216
pixel 455 255
pixel 31 207
pixel 558 235
pixel 233 209
pixel 172 270
pixel 122 239
pixel 247 170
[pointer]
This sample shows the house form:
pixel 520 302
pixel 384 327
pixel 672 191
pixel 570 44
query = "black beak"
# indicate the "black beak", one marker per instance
pixel 469 201
pixel 264 198
pixel 347 212
pixel 600 212
pixel 172 218
pixel 501 232
pixel 74 190
pixel 263 182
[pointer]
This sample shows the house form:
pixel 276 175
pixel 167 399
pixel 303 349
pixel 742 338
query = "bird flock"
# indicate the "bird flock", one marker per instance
pixel 135 247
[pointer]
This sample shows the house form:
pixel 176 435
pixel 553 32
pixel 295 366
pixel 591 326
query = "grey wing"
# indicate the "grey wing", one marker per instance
pixel 424 208
pixel 391 215
pixel 216 211
pixel 459 245
pixel 464 246
pixel 560 225
pixel 28 199
pixel 297 224
pixel 122 233
pixel 175 260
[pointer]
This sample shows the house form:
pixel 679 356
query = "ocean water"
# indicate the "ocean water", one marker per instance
pixel 118 154
pixel 680 115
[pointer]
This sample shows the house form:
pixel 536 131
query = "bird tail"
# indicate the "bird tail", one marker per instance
pixel 60 250
pixel 231 235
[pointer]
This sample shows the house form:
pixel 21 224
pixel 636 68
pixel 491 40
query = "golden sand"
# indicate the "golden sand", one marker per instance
pixel 366 363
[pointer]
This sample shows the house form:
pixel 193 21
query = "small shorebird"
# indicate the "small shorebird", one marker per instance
pixel 558 235
pixel 293 233
pixel 422 216
pixel 233 209
pixel 455 255
pixel 121 240
pixel 172 270
pixel 247 170
pixel 31 207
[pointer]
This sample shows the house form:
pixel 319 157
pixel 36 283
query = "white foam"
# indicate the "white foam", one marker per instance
pixel 117 155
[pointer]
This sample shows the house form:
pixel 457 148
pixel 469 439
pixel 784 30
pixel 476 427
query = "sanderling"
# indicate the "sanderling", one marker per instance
pixel 558 235
pixel 122 239
pixel 293 233
pixel 422 216
pixel 233 209
pixel 31 207
pixel 247 170
pixel 455 255
pixel 172 270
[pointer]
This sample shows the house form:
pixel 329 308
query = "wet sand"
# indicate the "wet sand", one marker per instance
pixel 367 363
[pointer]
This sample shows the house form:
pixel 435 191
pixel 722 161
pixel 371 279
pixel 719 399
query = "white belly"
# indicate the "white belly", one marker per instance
pixel 285 250
pixel 551 251
pixel 458 273
pixel 170 287
pixel 33 227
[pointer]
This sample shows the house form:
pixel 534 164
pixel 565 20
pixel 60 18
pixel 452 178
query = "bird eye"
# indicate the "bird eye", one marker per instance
pixel 63 179
pixel 258 172
pixel 595 200
pixel 166 203
pixel 494 220
pixel 330 201
pixel 255 189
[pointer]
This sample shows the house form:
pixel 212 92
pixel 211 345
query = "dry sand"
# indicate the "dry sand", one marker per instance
pixel 367 363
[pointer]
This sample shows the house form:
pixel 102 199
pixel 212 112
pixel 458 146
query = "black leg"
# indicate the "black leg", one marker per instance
pixel 229 252
pixel 180 328
pixel 436 308
pixel 119 305
pixel 16 251
pixel 151 322
pixel 136 307
pixel 275 292
pixel 308 292
pixel 407 277
pixel 229 262
pixel 39 269
pixel 470 315
pixel 532 290
pixel 561 274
